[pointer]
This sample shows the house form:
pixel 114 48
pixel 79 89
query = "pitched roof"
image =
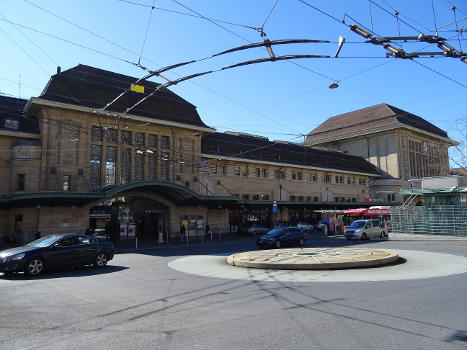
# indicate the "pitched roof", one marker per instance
pixel 11 108
pixel 91 87
pixel 261 149
pixel 369 119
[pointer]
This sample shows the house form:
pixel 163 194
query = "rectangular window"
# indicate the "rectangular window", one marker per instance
pixel 314 177
pixel 18 223
pixel 110 166
pixel 341 179
pixel 279 175
pixel 165 142
pixel 139 139
pixel 337 179
pixel 236 170
pixel 139 165
pixel 20 182
pixel 244 171
pixel 315 199
pixel 11 124
pixel 96 156
pixel 66 183
pixel 125 164
pixel 152 141
pixel 265 172
pixel 152 165
pixel 96 134
pixel 164 166
pixel 221 170
pixel 300 176
pixel 265 197
pixel 328 178
pixel 126 137
pixel 292 198
pixel 111 135
pixel 255 197
pixel 258 172
pixel 245 196
pixel 300 198
pixel 294 175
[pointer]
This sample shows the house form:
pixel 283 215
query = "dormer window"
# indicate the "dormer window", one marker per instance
pixel 11 124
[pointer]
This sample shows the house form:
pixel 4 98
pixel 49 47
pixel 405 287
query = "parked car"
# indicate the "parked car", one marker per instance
pixel 279 237
pixel 364 229
pixel 56 251
pixel 257 229
pixel 320 225
pixel 305 226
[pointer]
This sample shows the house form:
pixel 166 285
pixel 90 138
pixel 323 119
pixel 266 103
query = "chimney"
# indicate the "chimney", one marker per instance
pixel 59 69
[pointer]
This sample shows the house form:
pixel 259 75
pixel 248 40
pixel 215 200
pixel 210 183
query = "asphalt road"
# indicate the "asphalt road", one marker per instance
pixel 138 302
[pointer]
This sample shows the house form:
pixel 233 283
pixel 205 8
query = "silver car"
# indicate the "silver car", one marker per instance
pixel 305 226
pixel 364 229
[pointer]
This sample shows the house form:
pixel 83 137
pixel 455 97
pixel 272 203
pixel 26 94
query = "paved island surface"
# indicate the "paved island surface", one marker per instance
pixel 314 258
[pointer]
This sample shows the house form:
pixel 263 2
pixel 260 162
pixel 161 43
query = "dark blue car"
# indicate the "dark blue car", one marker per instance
pixel 283 236
pixel 56 251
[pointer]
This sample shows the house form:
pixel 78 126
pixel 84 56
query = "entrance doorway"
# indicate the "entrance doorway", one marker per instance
pixel 129 217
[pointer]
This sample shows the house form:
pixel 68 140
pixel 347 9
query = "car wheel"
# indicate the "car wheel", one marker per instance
pixel 101 260
pixel 301 242
pixel 277 244
pixel 364 236
pixel 34 267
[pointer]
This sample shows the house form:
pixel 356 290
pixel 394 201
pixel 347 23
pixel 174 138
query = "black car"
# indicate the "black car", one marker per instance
pixel 56 251
pixel 279 237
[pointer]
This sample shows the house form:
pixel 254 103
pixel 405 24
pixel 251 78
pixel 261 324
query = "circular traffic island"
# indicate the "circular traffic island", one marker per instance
pixel 314 258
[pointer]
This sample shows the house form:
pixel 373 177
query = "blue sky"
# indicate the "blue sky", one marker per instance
pixel 280 100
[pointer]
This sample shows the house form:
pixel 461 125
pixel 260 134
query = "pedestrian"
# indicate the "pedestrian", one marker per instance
pixel 107 230
pixel 182 232
pixel 207 230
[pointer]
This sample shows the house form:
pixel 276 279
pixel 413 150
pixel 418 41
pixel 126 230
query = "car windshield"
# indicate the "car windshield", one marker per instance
pixel 275 232
pixel 43 242
pixel 358 224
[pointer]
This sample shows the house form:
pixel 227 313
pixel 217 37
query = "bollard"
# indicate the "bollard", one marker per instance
pixel 136 243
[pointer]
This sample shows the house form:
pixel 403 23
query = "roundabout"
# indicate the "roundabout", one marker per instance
pixel 416 265
pixel 314 258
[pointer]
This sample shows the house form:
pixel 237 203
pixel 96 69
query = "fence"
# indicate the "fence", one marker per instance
pixel 450 220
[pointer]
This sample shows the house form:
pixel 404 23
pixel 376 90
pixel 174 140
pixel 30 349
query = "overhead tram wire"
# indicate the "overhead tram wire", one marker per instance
pixel 267 17
pixel 441 74
pixel 83 28
pixel 147 29
pixel 194 15
pixel 71 42
pixel 33 43
pixel 24 51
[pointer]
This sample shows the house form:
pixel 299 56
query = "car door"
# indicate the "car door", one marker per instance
pixel 288 235
pixel 86 249
pixel 62 252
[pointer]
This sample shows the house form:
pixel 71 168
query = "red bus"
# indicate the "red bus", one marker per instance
pixel 375 212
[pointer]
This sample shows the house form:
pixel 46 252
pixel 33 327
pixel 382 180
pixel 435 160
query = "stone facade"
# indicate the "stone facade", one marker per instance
pixel 399 150
pixel 83 166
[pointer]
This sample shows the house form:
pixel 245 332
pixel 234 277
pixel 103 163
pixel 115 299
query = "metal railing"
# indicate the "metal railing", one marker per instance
pixel 450 220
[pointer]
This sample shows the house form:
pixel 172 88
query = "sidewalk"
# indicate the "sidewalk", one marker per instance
pixel 149 244
pixel 413 237
pixel 416 237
